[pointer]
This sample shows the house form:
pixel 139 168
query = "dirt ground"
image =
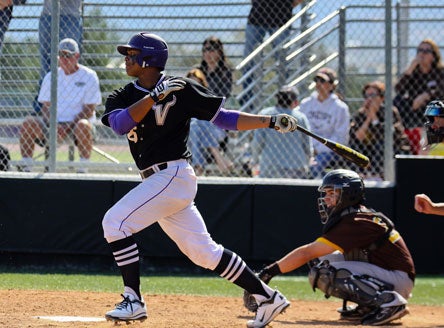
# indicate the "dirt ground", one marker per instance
pixel 24 309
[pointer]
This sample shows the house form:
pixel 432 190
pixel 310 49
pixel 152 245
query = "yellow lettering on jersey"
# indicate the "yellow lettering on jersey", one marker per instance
pixel 161 110
pixel 394 236
pixel 132 135
pixel 380 222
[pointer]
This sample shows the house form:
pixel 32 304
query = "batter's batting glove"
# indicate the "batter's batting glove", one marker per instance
pixel 283 123
pixel 167 86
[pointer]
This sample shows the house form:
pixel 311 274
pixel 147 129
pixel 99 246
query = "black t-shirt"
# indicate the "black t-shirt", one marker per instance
pixel 162 134
pixel 270 13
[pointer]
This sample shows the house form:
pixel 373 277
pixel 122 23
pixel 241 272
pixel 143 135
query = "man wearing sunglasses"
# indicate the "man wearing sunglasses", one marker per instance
pixel 78 94
pixel 329 117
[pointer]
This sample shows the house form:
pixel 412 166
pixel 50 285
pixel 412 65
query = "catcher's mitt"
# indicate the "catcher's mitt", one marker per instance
pixel 249 301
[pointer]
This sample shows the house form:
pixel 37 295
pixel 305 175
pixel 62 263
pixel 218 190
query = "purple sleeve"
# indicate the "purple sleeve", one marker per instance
pixel 226 119
pixel 121 121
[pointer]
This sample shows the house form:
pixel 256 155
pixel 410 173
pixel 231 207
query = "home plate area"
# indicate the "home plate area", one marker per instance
pixel 70 319
pixel 74 309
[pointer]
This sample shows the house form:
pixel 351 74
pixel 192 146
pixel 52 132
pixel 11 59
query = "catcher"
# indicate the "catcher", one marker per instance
pixel 359 257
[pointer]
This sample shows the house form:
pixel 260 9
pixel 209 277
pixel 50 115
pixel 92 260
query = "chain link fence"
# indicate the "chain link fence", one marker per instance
pixel 265 48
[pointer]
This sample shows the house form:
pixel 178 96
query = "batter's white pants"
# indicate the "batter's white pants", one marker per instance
pixel 166 197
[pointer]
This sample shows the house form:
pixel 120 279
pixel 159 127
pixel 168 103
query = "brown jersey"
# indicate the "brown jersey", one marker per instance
pixel 358 231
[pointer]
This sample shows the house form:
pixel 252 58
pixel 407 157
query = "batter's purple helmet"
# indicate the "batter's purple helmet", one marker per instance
pixel 153 49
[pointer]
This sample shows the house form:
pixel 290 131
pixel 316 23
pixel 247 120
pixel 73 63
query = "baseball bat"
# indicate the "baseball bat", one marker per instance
pixel 106 155
pixel 346 152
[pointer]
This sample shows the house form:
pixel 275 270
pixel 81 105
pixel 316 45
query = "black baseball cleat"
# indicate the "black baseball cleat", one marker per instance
pixel 356 313
pixel 385 315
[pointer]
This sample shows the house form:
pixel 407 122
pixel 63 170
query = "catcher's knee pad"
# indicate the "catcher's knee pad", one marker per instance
pixel 341 283
pixel 322 276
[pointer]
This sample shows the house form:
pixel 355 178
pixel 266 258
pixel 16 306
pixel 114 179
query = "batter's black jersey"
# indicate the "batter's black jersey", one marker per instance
pixel 162 135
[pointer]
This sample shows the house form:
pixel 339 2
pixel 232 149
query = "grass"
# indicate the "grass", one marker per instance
pixel 429 290
pixel 121 153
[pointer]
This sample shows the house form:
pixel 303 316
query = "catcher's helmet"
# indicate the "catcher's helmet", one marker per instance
pixel 153 49
pixel 351 188
pixel 434 108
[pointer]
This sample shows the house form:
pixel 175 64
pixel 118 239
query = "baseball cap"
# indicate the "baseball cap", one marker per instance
pixel 287 95
pixel 328 75
pixel 69 45
pixel 290 92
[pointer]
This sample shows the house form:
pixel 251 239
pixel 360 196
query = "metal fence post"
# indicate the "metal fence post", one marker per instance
pixel 388 134
pixel 55 26
pixel 341 46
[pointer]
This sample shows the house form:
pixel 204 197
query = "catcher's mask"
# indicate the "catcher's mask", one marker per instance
pixel 434 109
pixel 153 50
pixel 351 192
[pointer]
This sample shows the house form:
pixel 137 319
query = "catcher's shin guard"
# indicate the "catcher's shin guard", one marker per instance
pixel 362 290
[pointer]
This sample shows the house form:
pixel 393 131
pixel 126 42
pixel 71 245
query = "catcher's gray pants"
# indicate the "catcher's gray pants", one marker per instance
pixel 399 279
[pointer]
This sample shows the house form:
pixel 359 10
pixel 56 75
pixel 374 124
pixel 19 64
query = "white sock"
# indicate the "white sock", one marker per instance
pixel 129 290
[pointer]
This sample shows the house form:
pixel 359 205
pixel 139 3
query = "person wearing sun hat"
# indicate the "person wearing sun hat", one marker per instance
pixel 329 117
pixel 78 94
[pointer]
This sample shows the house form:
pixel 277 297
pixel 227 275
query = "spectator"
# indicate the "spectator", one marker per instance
pixel 218 74
pixel 6 7
pixel 215 67
pixel 287 157
pixel 70 27
pixel 204 139
pixel 367 130
pixel 78 94
pixel 359 257
pixel 329 117
pixel 265 17
pixel 422 81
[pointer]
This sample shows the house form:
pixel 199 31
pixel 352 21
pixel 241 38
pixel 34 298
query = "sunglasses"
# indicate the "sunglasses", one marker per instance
pixel 208 49
pixel 319 79
pixel 371 95
pixel 63 54
pixel 424 50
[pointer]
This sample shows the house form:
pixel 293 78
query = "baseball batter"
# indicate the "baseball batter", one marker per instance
pixel 359 257
pixel 154 112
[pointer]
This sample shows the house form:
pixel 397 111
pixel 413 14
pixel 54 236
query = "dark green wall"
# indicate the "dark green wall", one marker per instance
pixel 259 222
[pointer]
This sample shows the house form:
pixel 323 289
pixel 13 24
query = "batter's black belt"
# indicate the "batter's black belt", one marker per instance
pixel 153 169
pixel 162 166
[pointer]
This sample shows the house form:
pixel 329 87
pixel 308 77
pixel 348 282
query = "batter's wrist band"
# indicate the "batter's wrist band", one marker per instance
pixel 272 122
pixel 154 96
